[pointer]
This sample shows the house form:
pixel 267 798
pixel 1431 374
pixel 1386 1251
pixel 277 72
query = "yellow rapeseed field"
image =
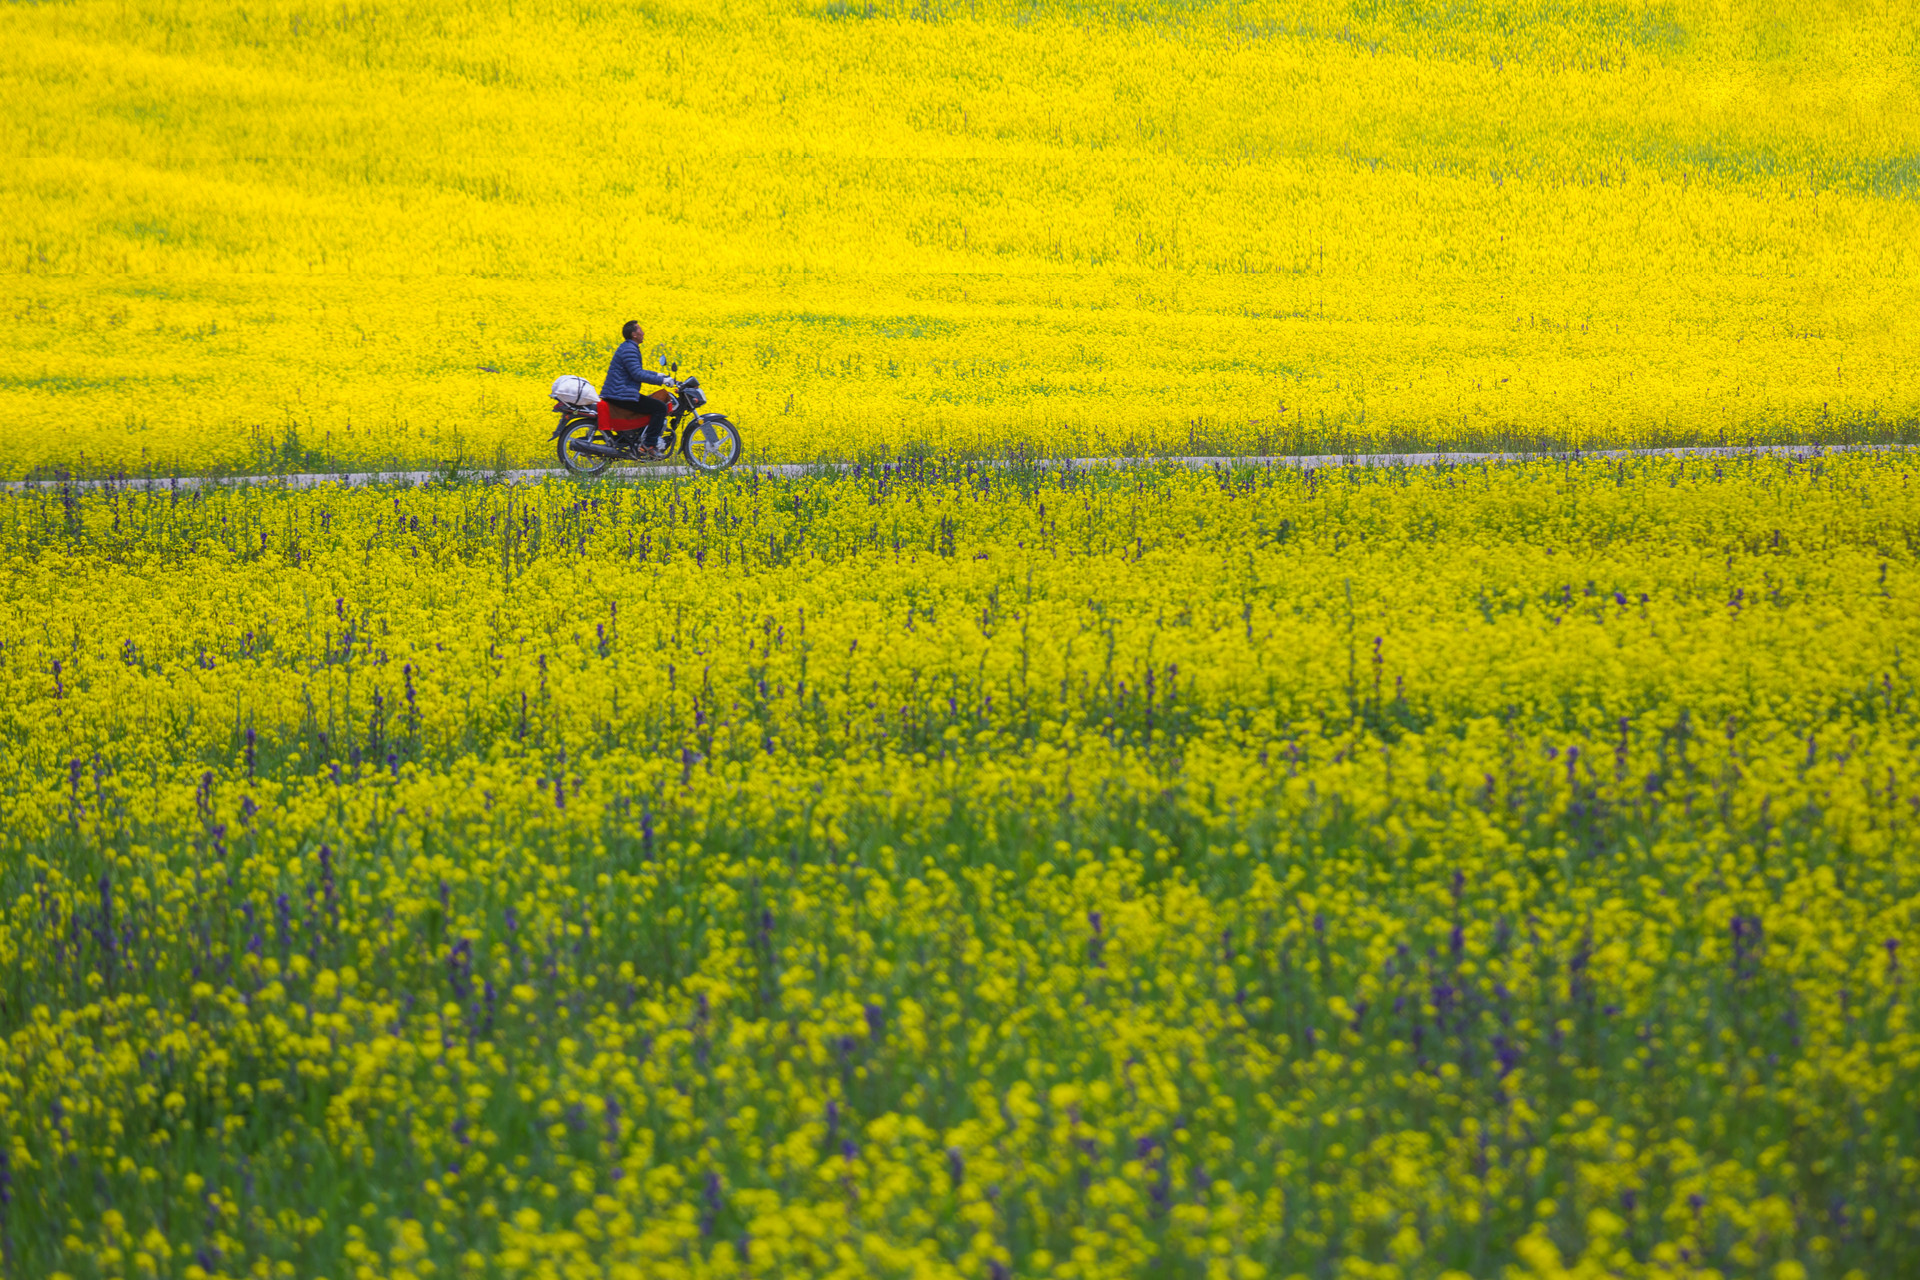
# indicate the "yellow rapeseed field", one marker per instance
pixel 294 234
pixel 954 872
pixel 958 866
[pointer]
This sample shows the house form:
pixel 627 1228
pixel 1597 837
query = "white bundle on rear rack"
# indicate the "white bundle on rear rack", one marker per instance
pixel 574 391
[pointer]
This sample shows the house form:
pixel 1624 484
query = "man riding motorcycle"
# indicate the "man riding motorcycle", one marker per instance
pixel 625 376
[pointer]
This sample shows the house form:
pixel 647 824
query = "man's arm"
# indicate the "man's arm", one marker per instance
pixel 636 369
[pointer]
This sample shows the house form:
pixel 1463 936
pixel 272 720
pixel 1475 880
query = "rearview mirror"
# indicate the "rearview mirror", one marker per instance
pixel 676 367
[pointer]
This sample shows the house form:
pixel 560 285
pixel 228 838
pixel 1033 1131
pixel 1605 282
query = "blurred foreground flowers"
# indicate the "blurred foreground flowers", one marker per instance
pixel 960 872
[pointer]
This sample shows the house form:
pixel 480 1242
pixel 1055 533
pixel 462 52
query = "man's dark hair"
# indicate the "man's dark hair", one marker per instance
pixel 627 329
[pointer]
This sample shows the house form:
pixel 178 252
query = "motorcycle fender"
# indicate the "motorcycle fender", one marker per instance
pixel 705 429
pixel 561 427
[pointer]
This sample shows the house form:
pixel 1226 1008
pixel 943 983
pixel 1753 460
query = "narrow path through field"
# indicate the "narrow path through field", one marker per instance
pixel 1306 462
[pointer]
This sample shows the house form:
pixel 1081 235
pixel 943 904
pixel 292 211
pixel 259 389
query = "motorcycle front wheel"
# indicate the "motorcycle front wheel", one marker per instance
pixel 582 430
pixel 712 444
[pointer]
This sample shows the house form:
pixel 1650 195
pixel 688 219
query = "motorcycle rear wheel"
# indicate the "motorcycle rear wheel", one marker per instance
pixel 712 444
pixel 581 464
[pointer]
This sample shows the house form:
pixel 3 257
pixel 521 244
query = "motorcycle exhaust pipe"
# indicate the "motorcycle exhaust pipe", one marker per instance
pixel 596 449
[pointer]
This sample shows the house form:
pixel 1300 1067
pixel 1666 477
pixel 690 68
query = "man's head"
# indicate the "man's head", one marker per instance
pixel 632 331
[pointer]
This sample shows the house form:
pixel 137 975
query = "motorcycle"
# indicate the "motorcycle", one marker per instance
pixel 591 435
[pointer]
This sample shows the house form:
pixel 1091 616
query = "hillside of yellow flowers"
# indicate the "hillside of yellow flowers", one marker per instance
pixel 294 234
pixel 974 873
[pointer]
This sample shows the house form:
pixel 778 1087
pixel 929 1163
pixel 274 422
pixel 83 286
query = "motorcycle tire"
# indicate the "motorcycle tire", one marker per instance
pixel 711 445
pixel 584 430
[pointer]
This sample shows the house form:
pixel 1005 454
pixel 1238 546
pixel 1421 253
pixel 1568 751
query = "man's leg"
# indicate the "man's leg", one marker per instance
pixel 645 407
pixel 656 421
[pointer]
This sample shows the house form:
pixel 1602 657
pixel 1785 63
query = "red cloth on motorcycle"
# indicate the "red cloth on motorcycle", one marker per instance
pixel 610 420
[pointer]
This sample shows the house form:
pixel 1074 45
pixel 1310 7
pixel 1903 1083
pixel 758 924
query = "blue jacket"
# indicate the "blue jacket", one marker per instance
pixel 626 374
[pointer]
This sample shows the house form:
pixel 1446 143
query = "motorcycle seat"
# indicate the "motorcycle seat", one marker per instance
pixel 612 419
